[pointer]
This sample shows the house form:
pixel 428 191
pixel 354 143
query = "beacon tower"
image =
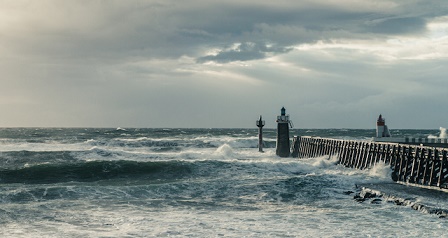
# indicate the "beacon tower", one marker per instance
pixel 260 124
pixel 283 122
pixel 381 128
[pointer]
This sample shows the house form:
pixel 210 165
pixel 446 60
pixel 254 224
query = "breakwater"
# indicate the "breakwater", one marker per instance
pixel 415 164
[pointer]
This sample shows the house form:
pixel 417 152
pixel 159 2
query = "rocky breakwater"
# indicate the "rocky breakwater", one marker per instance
pixel 430 201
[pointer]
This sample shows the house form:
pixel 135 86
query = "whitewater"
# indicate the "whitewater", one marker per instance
pixel 99 182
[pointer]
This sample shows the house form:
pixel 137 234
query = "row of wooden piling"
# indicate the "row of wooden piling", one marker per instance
pixel 415 164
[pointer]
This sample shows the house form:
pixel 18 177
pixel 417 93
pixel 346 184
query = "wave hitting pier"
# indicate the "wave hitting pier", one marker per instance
pixel 414 164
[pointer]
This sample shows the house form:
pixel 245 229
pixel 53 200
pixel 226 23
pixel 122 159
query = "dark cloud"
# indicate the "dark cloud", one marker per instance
pixel 296 24
pixel 167 29
pixel 143 62
pixel 244 52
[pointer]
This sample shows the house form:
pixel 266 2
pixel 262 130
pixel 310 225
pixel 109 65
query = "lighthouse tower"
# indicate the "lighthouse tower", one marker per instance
pixel 381 128
pixel 260 124
pixel 283 122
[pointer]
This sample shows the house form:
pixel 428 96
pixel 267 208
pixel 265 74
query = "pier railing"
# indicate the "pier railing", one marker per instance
pixel 414 164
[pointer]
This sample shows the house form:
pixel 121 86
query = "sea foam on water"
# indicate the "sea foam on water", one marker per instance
pixel 190 182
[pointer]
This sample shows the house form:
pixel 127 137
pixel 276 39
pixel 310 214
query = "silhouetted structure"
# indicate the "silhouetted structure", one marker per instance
pixel 260 124
pixel 283 145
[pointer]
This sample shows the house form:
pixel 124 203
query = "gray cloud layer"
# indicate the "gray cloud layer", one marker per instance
pixel 149 63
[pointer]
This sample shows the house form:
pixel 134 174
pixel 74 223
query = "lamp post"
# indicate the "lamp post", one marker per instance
pixel 260 124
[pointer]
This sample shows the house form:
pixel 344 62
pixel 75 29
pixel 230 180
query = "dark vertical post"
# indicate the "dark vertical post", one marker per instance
pixel 260 124
pixel 282 148
pixel 363 155
pixel 358 155
pixel 347 153
pixel 409 162
pixel 427 166
pixel 352 152
pixel 393 156
pixel 333 147
pixel 306 152
pixel 383 153
pixel 388 154
pixel 414 165
pixel 369 155
pixel 295 147
pixel 433 167
pixel 373 154
pixel 302 147
pixel 403 159
pixel 313 147
pixel 395 162
pixel 443 169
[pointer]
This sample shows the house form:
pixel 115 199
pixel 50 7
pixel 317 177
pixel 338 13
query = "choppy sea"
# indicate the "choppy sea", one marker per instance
pixel 89 182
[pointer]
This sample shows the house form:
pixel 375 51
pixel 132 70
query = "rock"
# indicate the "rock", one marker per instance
pixel 376 201
pixel 360 199
pixel 417 206
pixel 366 194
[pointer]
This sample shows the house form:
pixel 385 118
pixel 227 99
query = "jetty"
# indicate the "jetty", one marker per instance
pixel 415 164
pixel 418 161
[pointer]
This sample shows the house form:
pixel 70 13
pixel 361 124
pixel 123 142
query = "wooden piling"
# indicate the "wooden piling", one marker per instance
pixel 443 170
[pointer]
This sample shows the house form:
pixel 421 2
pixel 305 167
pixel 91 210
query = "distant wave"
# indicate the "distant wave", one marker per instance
pixel 88 171
pixel 442 134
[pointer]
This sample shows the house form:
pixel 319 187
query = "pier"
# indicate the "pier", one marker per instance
pixel 413 164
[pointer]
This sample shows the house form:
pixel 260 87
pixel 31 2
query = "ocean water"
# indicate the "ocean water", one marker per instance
pixel 189 183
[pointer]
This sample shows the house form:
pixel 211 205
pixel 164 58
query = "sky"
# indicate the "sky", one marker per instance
pixel 222 64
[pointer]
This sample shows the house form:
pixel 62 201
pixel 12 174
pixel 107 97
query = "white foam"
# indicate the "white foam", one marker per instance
pixel 235 142
pixel 442 135
pixel 325 161
pixel 186 210
pixel 381 170
pixel 226 151
pixel 20 145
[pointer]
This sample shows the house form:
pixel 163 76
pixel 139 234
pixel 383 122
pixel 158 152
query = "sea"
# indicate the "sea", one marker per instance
pixel 136 182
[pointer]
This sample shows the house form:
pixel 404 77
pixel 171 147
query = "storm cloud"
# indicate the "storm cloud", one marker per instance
pixel 244 52
pixel 198 63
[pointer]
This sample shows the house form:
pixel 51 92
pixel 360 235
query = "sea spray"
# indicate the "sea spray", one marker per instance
pixel 443 133
pixel 325 161
pixel 225 151
pixel 381 170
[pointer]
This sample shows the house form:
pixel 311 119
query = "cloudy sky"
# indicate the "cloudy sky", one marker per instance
pixel 203 63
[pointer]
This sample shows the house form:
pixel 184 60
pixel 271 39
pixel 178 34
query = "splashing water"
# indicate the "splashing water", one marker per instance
pixel 381 170
pixel 89 182
pixel 443 133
